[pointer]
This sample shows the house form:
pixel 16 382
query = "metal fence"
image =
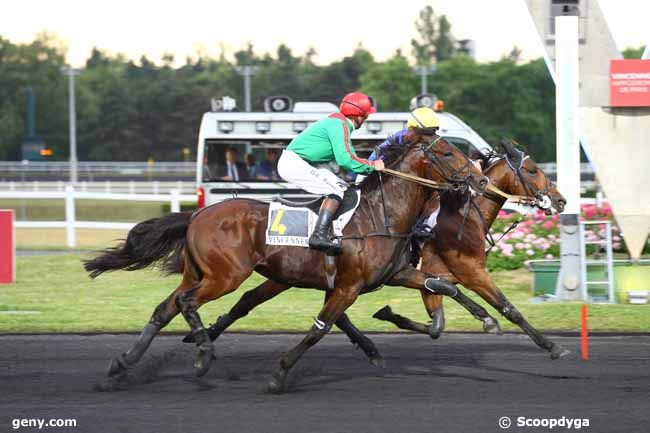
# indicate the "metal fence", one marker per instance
pixel 123 167
pixel 108 186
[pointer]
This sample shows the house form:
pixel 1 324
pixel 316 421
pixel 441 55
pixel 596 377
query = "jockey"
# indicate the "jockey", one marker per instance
pixel 422 126
pixel 322 142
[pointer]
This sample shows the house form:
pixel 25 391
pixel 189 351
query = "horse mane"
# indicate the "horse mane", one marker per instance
pixel 486 157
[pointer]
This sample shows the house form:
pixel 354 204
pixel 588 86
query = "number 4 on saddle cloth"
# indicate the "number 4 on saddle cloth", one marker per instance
pixel 291 223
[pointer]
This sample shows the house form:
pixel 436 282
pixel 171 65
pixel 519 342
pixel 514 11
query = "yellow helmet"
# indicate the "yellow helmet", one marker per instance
pixel 423 117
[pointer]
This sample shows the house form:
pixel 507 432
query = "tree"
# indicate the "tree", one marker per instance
pixel 435 38
pixel 633 53
pixel 391 83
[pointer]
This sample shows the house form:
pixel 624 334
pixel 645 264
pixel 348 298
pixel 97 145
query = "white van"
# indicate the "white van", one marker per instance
pixel 259 137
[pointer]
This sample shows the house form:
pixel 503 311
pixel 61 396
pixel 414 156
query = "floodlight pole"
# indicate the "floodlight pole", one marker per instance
pixel 71 72
pixel 247 72
pixel 424 71
pixel 569 284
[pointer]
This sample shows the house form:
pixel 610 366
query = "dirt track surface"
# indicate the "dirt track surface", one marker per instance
pixel 460 383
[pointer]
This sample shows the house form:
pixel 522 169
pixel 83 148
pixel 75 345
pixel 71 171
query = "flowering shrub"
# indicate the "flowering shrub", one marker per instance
pixel 537 236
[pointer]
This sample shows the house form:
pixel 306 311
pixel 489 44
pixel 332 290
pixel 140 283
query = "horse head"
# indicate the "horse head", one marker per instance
pixel 443 162
pixel 517 173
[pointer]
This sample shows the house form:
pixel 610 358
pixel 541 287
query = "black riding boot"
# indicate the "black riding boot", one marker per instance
pixel 320 239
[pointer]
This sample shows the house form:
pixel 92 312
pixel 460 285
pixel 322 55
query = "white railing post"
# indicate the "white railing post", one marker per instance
pixel 12 186
pixel 107 186
pixel 70 216
pixel 156 187
pixel 131 187
pixel 175 204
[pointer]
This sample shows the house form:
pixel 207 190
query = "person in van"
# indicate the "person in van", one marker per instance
pixel 234 169
pixel 268 169
pixel 325 141
pixel 251 166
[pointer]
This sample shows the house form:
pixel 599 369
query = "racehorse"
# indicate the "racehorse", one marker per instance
pixel 456 258
pixel 464 261
pixel 222 245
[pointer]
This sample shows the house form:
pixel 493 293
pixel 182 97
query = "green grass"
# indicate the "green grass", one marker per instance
pixel 55 239
pixel 58 288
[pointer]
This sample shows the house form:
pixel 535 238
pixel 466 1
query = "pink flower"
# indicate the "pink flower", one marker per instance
pixel 548 256
pixel 548 225
pixel 530 252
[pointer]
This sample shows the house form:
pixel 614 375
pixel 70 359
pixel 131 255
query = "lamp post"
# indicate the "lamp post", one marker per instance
pixel 247 72
pixel 424 71
pixel 71 73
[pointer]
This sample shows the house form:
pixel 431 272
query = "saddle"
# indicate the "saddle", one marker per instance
pixel 350 201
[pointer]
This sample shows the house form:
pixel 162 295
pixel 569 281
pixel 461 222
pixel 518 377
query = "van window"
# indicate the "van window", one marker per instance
pixel 254 160
pixel 241 161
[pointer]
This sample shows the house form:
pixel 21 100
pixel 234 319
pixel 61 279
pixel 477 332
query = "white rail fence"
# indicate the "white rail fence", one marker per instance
pixel 69 195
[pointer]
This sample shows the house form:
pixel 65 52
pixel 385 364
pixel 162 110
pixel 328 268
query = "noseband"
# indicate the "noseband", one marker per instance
pixel 531 191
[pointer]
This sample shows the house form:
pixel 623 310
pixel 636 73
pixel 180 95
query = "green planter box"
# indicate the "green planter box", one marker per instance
pixel 627 277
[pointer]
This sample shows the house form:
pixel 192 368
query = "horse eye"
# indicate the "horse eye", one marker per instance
pixel 533 173
pixel 449 154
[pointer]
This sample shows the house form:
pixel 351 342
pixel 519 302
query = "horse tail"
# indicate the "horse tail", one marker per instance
pixel 157 241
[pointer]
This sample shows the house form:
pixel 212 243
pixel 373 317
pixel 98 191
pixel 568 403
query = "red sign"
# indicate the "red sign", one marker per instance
pixel 7 247
pixel 629 83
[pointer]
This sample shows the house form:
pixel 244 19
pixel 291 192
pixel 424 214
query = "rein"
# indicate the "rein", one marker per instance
pixel 422 181
pixel 519 199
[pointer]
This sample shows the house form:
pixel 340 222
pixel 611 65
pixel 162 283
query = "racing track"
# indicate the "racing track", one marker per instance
pixel 460 383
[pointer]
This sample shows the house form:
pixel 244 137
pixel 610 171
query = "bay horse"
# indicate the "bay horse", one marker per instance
pixel 464 261
pixel 457 260
pixel 224 243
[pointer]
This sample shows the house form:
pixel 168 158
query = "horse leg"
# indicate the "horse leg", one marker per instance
pixel 335 305
pixel 412 278
pixel 433 304
pixel 357 337
pixel 483 285
pixel 210 288
pixel 161 316
pixel 249 300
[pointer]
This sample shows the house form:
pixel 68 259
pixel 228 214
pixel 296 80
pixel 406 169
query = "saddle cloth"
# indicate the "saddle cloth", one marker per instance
pixel 293 225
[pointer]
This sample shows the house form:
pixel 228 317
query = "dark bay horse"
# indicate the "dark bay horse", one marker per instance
pixel 224 243
pixel 464 261
pixel 456 260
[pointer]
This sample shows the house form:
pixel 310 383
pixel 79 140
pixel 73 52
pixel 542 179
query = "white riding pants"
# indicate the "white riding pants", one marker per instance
pixel 299 172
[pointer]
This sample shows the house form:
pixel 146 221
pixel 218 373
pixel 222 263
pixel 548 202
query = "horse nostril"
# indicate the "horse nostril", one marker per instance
pixel 482 183
pixel 561 204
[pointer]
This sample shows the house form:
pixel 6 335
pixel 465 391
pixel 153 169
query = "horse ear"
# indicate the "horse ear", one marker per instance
pixel 509 147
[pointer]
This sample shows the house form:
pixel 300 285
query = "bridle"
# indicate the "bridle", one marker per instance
pixel 456 179
pixel 540 195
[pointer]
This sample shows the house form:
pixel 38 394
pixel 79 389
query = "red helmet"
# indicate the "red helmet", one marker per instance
pixel 356 104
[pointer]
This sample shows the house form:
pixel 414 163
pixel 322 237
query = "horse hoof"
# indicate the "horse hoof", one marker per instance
pixel 559 352
pixel 377 360
pixel 189 338
pixel 437 323
pixel 203 359
pixel 491 326
pixel 276 384
pixel 115 367
pixel 384 314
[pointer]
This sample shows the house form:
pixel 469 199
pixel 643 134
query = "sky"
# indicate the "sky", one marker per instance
pixel 333 27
